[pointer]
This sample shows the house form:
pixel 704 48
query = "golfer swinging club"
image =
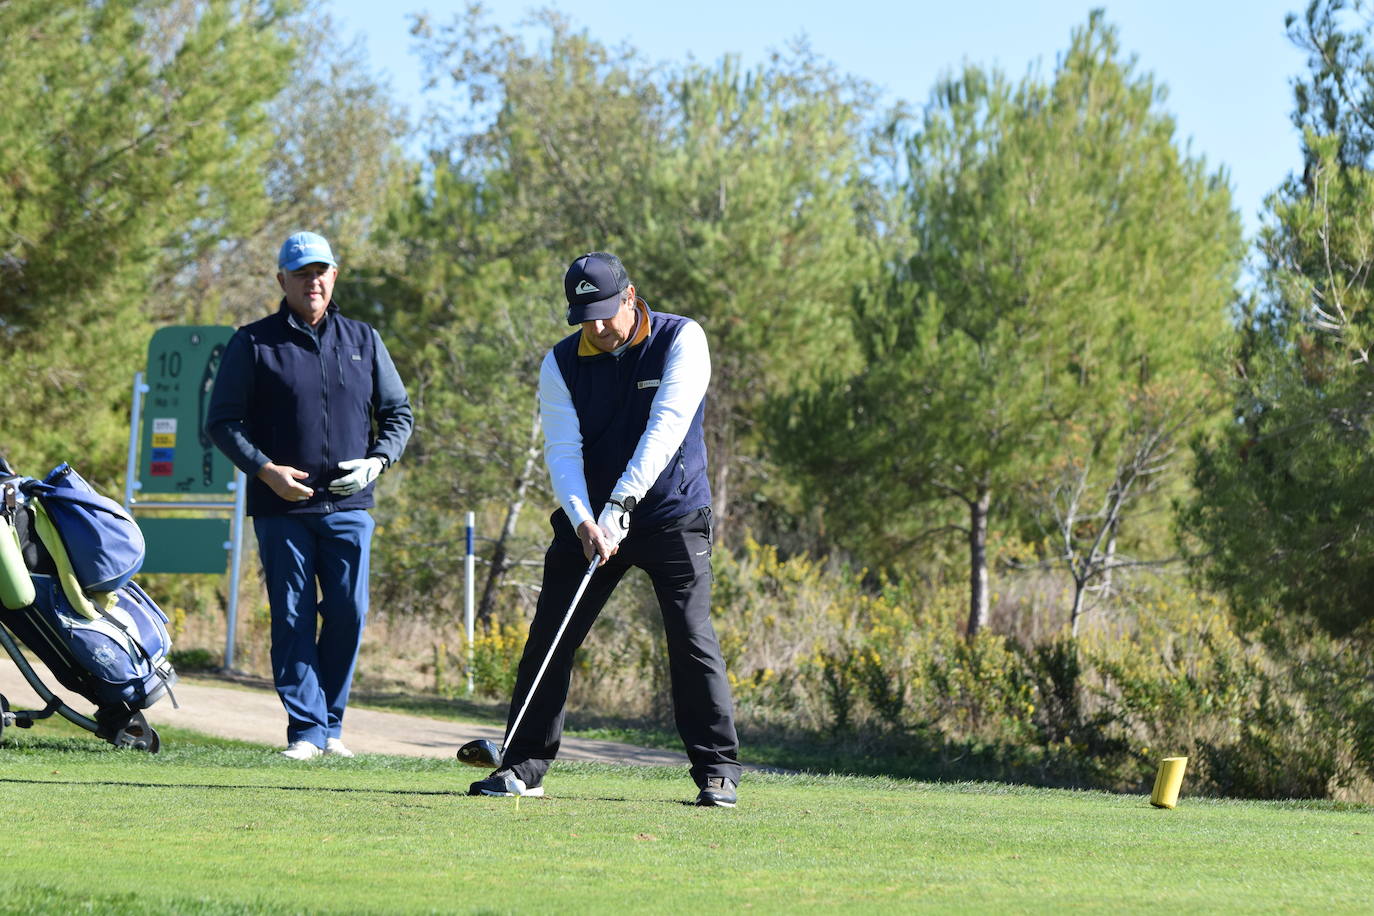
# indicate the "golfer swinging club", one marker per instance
pixel 622 402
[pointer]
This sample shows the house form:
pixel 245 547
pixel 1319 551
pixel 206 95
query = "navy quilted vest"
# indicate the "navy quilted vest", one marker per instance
pixel 312 406
pixel 612 396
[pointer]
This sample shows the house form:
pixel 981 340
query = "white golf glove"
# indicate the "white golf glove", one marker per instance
pixel 614 521
pixel 361 472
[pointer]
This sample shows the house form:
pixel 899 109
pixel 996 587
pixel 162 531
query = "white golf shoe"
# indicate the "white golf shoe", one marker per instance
pixel 301 750
pixel 334 747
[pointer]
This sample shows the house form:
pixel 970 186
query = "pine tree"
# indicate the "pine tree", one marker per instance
pixel 1069 274
pixel 123 155
pixel 1282 510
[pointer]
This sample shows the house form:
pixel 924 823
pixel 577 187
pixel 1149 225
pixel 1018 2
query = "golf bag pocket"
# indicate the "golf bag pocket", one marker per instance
pixel 123 648
pixel 102 541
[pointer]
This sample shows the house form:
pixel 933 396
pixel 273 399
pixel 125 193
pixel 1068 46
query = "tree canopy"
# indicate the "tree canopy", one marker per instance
pixel 127 132
pixel 1282 508
pixel 1068 277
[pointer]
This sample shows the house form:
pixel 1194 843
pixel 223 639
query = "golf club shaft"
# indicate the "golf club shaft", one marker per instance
pixel 548 656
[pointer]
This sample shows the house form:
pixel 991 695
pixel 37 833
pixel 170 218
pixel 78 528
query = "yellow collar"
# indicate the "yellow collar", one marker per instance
pixel 585 347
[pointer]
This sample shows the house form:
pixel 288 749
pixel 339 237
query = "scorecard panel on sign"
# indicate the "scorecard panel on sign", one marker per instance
pixel 176 456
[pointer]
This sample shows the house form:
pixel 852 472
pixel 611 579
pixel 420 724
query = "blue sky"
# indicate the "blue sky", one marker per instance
pixel 1227 64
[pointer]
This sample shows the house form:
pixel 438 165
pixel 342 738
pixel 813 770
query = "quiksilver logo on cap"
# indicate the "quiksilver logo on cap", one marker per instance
pixel 583 287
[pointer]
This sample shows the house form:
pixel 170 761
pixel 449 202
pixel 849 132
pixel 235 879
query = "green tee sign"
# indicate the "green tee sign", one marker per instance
pixel 185 545
pixel 176 455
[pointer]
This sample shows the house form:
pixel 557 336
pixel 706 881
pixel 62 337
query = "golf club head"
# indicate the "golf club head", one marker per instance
pixel 480 753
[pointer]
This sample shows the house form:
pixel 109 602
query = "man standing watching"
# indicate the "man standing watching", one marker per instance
pixel 308 404
pixel 622 401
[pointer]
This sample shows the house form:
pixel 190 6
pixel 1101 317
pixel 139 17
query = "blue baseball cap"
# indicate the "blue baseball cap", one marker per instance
pixel 304 248
pixel 593 285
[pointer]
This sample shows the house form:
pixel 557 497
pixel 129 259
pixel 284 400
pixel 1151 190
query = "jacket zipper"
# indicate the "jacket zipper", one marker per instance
pixel 324 444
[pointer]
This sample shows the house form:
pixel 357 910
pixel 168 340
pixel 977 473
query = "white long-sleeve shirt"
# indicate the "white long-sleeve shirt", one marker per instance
pixel 686 376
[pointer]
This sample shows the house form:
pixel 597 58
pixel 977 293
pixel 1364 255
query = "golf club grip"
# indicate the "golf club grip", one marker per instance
pixel 548 656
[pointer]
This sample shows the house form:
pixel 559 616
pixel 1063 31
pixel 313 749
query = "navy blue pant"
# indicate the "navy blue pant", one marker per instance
pixel 677 558
pixel 313 670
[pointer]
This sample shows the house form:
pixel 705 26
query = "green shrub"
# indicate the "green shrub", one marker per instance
pixel 1279 753
pixel 496 652
pixel 1253 724
pixel 189 660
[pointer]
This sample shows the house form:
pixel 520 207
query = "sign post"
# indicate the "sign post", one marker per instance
pixel 469 580
pixel 170 454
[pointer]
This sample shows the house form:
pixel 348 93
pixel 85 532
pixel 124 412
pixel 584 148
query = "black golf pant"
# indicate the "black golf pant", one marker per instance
pixel 677 558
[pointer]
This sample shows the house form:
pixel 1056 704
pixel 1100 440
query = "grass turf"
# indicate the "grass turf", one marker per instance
pixel 218 827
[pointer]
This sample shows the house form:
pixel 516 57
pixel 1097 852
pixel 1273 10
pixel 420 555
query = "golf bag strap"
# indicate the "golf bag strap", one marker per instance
pixel 47 533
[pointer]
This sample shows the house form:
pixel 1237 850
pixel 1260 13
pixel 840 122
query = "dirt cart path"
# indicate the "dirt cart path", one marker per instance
pixel 250 713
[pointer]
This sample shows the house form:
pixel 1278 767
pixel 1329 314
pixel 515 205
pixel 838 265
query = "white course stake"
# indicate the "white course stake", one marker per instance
pixel 469 562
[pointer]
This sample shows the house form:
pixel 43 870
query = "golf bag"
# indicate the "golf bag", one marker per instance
pixel 67 560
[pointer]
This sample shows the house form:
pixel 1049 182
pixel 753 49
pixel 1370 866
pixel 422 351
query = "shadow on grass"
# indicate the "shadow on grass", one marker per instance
pixel 433 793
pixel 126 784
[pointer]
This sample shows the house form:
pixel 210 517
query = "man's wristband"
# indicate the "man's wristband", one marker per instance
pixel 627 505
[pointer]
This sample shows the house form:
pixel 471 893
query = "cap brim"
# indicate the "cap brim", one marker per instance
pixel 600 310
pixel 301 262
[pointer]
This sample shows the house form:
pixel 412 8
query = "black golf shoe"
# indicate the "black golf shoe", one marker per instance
pixel 718 792
pixel 505 783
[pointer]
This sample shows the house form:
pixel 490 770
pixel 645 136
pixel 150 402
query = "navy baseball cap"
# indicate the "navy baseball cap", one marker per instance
pixel 593 285
pixel 304 248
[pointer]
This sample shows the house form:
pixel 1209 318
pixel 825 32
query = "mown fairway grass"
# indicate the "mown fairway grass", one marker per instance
pixel 215 827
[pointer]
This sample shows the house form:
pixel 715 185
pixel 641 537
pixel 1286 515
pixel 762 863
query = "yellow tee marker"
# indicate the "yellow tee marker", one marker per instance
pixel 1168 781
